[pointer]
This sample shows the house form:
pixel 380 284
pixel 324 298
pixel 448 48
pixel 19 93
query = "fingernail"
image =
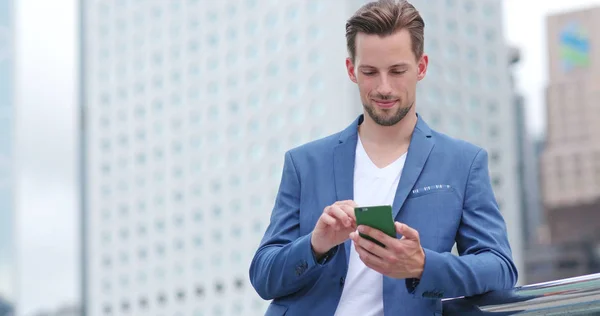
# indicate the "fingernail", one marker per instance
pixel 361 229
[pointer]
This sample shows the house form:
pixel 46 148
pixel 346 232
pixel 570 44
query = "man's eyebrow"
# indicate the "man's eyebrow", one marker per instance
pixel 397 65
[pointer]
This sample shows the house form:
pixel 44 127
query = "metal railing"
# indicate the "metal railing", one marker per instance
pixel 572 296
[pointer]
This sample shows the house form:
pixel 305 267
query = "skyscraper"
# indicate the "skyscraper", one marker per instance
pixel 571 161
pixel 7 114
pixel 570 166
pixel 188 107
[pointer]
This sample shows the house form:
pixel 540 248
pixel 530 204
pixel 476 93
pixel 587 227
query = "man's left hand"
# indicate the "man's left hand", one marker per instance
pixel 400 259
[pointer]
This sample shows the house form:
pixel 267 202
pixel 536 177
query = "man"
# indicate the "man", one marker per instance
pixel 312 261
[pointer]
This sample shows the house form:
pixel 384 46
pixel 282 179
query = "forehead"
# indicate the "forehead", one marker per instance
pixel 384 50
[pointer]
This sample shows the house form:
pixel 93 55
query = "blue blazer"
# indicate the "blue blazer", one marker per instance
pixel 444 193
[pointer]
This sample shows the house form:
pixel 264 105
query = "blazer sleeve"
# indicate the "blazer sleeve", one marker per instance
pixel 284 262
pixel 485 258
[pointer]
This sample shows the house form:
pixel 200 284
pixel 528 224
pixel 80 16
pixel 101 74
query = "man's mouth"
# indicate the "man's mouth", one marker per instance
pixel 386 104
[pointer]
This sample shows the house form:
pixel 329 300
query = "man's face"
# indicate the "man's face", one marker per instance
pixel 386 71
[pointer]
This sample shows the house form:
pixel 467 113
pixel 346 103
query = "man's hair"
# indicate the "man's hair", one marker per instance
pixel 383 18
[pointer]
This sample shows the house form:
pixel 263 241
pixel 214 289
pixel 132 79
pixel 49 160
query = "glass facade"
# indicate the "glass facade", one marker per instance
pixel 7 219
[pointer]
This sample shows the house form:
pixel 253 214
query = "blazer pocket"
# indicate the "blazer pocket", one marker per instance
pixel 276 310
pixel 425 190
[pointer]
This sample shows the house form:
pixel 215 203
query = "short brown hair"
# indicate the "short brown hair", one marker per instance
pixel 385 17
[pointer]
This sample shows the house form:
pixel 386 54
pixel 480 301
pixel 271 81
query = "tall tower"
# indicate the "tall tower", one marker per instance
pixel 187 110
pixel 570 164
pixel 571 160
pixel 7 136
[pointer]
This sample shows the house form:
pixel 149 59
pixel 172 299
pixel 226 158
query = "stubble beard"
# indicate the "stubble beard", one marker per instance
pixel 387 120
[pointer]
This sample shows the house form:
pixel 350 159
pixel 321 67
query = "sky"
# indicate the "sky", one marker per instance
pixel 46 74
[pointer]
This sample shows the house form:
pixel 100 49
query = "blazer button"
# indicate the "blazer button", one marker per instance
pixel 342 281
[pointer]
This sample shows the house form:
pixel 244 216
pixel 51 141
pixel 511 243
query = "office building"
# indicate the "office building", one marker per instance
pixel 528 149
pixel 571 161
pixel 7 136
pixel 570 169
pixel 188 107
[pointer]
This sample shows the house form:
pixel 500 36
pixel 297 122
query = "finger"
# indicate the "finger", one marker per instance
pixel 372 247
pixel 407 232
pixel 349 210
pixel 341 216
pixel 370 260
pixel 347 202
pixel 377 234
pixel 328 220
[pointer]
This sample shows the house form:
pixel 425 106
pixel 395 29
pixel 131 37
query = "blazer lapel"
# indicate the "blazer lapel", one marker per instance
pixel 420 146
pixel 343 168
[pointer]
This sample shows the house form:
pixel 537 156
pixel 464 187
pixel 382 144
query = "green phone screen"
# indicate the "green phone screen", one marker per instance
pixel 378 217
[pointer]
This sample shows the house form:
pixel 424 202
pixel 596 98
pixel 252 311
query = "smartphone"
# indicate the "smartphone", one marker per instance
pixel 378 217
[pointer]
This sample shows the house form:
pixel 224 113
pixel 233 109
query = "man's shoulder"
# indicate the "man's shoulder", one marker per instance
pixel 456 146
pixel 319 145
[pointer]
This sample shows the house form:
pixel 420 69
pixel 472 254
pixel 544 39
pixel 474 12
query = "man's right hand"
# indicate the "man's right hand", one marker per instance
pixel 333 227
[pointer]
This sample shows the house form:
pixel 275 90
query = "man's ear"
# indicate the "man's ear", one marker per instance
pixel 422 67
pixel 351 70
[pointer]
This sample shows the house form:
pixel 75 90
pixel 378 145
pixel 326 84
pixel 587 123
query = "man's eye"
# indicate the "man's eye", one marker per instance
pixel 398 72
pixel 368 73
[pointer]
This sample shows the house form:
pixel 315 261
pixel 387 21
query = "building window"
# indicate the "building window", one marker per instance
pixel 475 128
pixel 199 291
pixel 473 79
pixel 451 25
pixel 495 158
pixel 491 59
pixel 468 6
pixel 198 241
pixel 493 107
pixel 162 299
pixel 125 307
pixel 238 284
pixel 452 51
pixel 143 303
pixel 219 287
pixel 496 181
pixel 493 132
pixel 180 295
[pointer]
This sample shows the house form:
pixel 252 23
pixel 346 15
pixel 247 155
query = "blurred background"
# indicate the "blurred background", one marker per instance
pixel 141 141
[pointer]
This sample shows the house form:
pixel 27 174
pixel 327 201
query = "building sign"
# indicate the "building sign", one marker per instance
pixel 574 47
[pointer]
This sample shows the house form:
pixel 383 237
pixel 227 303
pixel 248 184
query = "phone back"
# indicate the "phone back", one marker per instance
pixel 378 217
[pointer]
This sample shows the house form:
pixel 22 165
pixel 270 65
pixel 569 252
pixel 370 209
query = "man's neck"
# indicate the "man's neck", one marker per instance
pixel 398 135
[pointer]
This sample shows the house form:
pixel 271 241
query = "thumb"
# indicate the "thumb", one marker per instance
pixel 406 231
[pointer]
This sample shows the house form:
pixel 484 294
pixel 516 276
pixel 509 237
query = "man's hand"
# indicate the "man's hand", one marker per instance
pixel 333 227
pixel 400 259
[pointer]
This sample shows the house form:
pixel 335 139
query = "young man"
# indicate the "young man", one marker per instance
pixel 312 261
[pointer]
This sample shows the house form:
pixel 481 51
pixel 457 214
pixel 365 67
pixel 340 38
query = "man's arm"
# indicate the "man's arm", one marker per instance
pixel 284 262
pixel 485 261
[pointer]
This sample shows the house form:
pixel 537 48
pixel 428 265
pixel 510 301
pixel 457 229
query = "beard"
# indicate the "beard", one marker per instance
pixel 384 118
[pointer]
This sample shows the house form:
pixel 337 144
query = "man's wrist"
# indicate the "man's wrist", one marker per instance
pixel 318 253
pixel 421 265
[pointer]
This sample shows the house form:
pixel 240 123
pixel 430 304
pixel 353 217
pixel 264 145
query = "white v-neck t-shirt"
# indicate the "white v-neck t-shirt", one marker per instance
pixel 363 288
